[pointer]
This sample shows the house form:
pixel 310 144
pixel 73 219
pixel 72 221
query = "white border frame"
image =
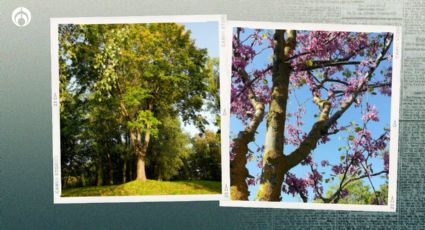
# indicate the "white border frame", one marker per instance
pixel 54 23
pixel 394 129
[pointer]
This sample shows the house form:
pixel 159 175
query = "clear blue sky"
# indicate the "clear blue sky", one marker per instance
pixel 205 35
pixel 328 151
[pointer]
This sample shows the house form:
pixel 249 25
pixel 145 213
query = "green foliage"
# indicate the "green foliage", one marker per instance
pixel 213 103
pixel 359 193
pixel 145 121
pixel 168 150
pixel 205 160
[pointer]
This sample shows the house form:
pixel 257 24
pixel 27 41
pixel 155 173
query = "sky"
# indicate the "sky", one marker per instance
pixel 328 151
pixel 205 35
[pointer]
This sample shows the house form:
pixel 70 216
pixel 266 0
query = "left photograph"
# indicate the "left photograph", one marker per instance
pixel 136 109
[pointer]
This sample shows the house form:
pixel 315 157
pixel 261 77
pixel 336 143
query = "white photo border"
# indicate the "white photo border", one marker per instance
pixel 54 23
pixel 394 129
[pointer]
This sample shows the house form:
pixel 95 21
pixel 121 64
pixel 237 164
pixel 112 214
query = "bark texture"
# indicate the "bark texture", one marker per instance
pixel 238 170
pixel 273 158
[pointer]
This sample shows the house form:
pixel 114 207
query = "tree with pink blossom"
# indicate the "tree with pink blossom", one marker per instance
pixel 310 88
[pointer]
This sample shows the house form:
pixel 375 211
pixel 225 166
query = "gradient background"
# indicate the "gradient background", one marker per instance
pixel 26 188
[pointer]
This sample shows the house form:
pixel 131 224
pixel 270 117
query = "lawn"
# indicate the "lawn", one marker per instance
pixel 149 187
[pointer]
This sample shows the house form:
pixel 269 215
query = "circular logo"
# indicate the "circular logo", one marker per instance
pixel 21 16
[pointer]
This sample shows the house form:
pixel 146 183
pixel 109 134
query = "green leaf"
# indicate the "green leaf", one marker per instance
pixel 309 63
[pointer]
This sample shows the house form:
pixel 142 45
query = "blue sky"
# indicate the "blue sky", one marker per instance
pixel 205 35
pixel 328 151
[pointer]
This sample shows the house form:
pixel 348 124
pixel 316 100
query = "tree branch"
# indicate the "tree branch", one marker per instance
pixel 319 64
pixel 325 122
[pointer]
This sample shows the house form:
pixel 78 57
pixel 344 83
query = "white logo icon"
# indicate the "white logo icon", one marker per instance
pixel 21 16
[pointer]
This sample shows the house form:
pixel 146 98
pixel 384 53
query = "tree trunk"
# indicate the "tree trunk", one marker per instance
pixel 131 169
pixel 158 172
pixel 141 174
pixel 140 152
pixel 99 172
pixel 83 179
pixel 111 170
pixel 238 170
pixel 273 159
pixel 124 171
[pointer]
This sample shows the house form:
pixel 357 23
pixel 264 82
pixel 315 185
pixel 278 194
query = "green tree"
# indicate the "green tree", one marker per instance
pixel 169 149
pixel 205 160
pixel 359 193
pixel 213 98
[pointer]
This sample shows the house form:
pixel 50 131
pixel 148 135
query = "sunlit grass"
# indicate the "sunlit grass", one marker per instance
pixel 149 187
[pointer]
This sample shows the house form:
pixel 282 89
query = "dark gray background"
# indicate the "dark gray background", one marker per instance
pixel 26 189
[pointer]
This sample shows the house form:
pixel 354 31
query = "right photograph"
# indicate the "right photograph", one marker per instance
pixel 313 116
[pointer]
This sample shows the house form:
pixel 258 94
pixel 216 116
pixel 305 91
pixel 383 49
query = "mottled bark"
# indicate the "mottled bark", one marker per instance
pixel 273 158
pixel 140 152
pixel 238 170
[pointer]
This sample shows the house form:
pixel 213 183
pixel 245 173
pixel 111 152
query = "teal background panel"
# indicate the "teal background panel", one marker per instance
pixel 26 186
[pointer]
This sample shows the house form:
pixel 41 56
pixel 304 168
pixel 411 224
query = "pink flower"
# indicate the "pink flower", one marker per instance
pixel 337 169
pixel 371 113
pixel 294 185
pixel 324 163
pixel 386 161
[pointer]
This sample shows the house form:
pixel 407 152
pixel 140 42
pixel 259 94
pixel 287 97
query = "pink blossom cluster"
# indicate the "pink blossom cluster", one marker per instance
pixel 294 133
pixel 371 113
pixel 243 55
pixel 294 185
pixel 386 161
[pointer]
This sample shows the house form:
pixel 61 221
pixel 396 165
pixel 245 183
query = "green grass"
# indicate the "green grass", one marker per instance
pixel 149 187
